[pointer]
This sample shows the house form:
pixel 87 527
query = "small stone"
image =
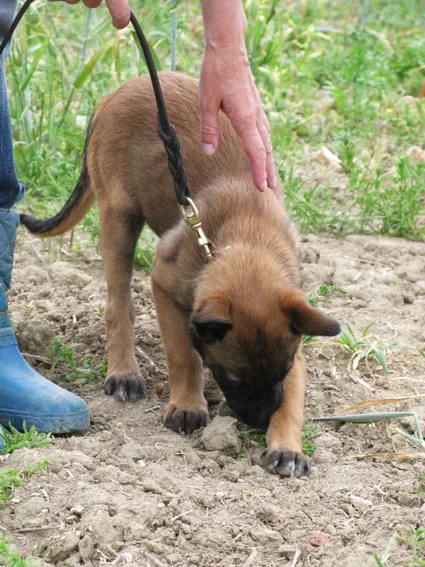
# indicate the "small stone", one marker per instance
pixel 309 255
pixel 132 450
pixel 231 475
pixel 326 157
pixel 267 537
pixel 221 435
pixel 287 551
pixel 112 509
pixel 150 485
pixel 320 538
pixel 127 478
pixel 59 547
pixel 361 504
pixel 406 500
pixel 268 513
pixel 86 547
pixel 192 457
pixel 257 470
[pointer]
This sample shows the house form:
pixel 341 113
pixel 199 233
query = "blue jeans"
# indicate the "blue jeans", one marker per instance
pixel 10 188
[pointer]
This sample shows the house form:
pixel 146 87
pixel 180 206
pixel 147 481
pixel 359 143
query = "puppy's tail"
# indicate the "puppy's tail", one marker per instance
pixel 75 208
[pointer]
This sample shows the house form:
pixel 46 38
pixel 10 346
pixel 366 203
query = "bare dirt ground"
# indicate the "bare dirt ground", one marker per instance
pixel 130 492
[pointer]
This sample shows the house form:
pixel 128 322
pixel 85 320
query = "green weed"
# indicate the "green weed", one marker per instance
pixel 9 478
pixel 249 439
pixel 43 465
pixel 145 251
pixel 420 493
pixel 309 340
pixel 417 541
pixel 323 294
pixel 64 358
pixel 367 346
pixel 9 558
pixel 309 434
pixel 416 544
pixel 26 439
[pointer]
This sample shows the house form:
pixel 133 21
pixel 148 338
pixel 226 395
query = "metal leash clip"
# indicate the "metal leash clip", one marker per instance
pixel 191 218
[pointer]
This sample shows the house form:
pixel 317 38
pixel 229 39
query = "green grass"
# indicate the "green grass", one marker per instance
pixel 9 558
pixel 64 361
pixel 249 439
pixel 9 478
pixel 324 293
pixel 331 74
pixel 368 346
pixel 416 545
pixel 309 434
pixel 26 439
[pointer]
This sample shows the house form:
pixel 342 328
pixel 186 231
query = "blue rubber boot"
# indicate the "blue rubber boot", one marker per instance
pixel 25 396
pixel 2 443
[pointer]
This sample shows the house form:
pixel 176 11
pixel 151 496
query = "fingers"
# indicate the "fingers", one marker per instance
pixel 265 138
pixel 246 127
pixel 118 9
pixel 92 3
pixel 210 132
pixel 264 131
pixel 120 12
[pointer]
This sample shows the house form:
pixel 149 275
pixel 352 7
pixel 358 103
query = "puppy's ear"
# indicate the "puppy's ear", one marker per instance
pixel 305 319
pixel 212 319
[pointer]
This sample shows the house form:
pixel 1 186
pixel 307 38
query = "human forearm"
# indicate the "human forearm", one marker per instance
pixel 224 23
pixel 227 84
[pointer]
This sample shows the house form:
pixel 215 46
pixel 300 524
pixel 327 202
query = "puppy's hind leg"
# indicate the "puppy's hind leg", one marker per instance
pixel 120 229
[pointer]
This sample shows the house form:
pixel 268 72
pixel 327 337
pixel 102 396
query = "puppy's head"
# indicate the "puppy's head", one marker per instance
pixel 249 342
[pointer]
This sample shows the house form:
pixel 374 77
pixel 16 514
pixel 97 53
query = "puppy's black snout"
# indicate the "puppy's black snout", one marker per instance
pixel 255 408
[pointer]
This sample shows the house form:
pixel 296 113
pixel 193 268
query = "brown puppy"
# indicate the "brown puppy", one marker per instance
pixel 243 314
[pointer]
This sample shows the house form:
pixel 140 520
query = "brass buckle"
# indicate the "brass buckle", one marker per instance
pixel 192 220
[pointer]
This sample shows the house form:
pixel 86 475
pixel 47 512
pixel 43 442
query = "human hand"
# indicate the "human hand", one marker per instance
pixel 227 84
pixel 118 9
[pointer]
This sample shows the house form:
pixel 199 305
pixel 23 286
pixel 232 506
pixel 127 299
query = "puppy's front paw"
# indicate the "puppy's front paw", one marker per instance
pixel 125 388
pixel 182 420
pixel 287 463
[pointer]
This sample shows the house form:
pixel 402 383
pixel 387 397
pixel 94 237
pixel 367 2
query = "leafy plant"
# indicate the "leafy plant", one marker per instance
pixel 417 541
pixel 9 478
pixel 9 558
pixel 91 370
pixel 26 439
pixel 249 438
pixel 323 294
pixel 368 346
pixel 309 434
